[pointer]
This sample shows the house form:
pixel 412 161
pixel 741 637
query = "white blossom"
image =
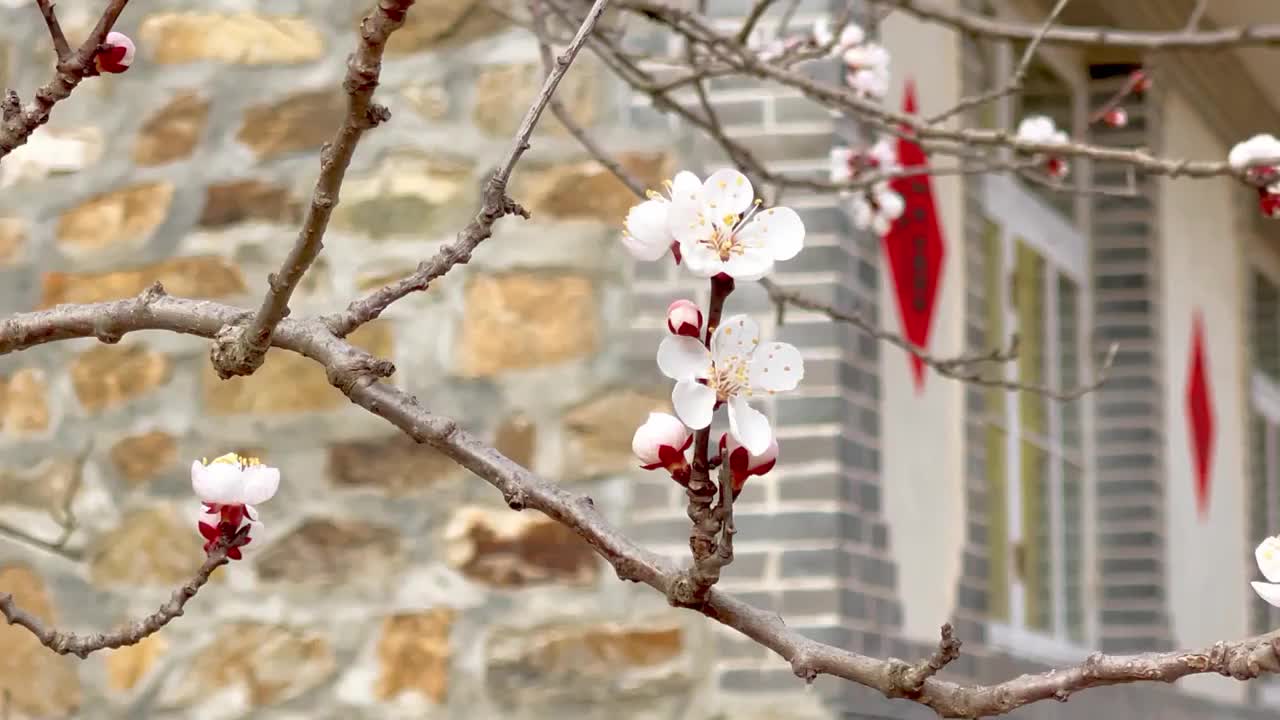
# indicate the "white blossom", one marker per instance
pixel 234 480
pixel 1040 129
pixel 721 228
pixel 877 209
pixel 660 439
pixel 737 367
pixel 1260 149
pixel 647 235
pixel 1268 556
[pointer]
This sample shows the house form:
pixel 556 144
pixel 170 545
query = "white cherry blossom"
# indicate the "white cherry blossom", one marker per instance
pixel 867 69
pixel 851 35
pixel 721 228
pixel 1268 556
pixel 1260 149
pixel 1040 129
pixel 647 235
pixel 737 367
pixel 877 209
pixel 234 480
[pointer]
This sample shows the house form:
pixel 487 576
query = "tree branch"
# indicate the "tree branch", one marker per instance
pixel 18 123
pixel 354 372
pixel 241 350
pixel 495 203
pixel 69 643
pixel 969 23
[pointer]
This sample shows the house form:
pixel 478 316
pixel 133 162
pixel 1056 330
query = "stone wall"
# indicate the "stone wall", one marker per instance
pixel 389 582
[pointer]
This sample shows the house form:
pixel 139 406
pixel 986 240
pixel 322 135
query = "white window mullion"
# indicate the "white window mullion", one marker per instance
pixel 1013 438
pixel 1057 527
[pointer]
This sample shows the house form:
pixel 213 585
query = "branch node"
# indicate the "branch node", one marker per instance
pixel 515 498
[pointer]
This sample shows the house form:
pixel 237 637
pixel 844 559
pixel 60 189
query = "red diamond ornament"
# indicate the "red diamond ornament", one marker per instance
pixel 914 247
pixel 1200 421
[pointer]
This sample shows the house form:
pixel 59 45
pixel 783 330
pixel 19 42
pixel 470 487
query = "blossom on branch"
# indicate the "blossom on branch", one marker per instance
pixel 876 207
pixel 1040 129
pixel 736 368
pixel 742 464
pixel 230 487
pixel 647 235
pixel 1268 556
pixel 661 443
pixel 1259 158
pixel 115 55
pixel 721 228
pixel 851 34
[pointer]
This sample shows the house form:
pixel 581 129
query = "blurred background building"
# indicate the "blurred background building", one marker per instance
pixel 391 583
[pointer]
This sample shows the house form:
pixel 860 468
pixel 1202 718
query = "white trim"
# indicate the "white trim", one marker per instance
pixel 1020 212
pixel 1034 645
pixel 1266 397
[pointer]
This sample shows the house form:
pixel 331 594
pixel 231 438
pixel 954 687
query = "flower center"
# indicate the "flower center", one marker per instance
pixel 233 459
pixel 724 241
pixel 728 378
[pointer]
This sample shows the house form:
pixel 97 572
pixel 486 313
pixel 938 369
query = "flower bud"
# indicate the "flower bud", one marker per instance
pixel 1269 202
pixel 1057 167
pixel 1116 117
pixel 684 318
pixel 1140 81
pixel 660 443
pixel 115 55
pixel 743 464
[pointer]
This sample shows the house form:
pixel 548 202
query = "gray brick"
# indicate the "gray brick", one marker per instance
pixel 854 604
pixel 831 562
pixel 807 334
pixel 819 486
pixel 805 410
pixel 647 494
pixel 665 532
pixel 810 602
pixel 800 110
pixel 787 525
pixel 746 566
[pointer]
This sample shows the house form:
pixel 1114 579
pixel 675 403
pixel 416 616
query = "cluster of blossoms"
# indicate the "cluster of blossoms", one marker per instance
pixel 875 207
pixel 230 487
pixel 1040 129
pixel 717 229
pixel 1259 159
pixel 866 64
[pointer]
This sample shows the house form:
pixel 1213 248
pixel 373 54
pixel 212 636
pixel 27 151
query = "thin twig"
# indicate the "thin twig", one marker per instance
pixel 18 124
pixel 495 203
pixel 69 643
pixel 61 48
pixel 241 350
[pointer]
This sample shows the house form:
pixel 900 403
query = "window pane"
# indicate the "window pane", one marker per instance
pixel 1259 505
pixel 1037 560
pixel 1266 326
pixel 1069 352
pixel 997 525
pixel 1073 550
pixel 1029 298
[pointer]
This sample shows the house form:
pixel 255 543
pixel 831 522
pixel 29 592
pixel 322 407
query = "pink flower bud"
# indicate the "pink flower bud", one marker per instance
pixel 116 53
pixel 743 464
pixel 660 443
pixel 1116 117
pixel 1140 81
pixel 684 318
pixel 1057 167
pixel 1269 203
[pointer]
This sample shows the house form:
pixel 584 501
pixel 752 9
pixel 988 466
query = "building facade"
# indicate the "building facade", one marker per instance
pixel 392 584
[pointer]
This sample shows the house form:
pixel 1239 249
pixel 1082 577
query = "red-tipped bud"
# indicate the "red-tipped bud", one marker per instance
pixel 743 464
pixel 675 251
pixel 684 318
pixel 660 443
pixel 1269 203
pixel 115 55
pixel 1057 167
pixel 1140 81
pixel 1116 117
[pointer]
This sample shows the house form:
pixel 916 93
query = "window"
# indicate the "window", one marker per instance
pixel 1264 429
pixel 1036 286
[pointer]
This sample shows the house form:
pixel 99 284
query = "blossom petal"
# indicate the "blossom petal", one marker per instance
pixel 686 220
pixel 776 367
pixel 683 358
pixel 694 403
pixel 1267 591
pixel 647 237
pixel 217 483
pixel 250 512
pixel 778 230
pixel 260 484
pixel 749 426
pixel 751 264
pixel 735 340
pixel 1268 556
pixel 685 183
pixel 700 259
pixel 727 192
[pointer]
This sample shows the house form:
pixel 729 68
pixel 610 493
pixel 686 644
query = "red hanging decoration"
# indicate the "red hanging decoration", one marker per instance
pixel 914 246
pixel 1200 419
